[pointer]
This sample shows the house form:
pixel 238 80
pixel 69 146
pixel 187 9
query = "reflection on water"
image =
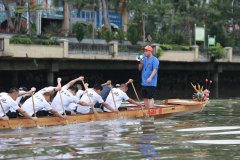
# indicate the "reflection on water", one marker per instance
pixel 211 134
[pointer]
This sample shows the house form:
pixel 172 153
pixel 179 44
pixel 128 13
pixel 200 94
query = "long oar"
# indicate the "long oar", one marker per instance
pixel 92 106
pixel 114 102
pixel 34 109
pixel 33 104
pixel 5 114
pixel 63 106
pixel 137 98
pixel 60 94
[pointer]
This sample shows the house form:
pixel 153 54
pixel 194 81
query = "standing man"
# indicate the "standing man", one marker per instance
pixel 149 67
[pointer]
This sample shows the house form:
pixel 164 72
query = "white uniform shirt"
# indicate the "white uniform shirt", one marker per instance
pixel 7 103
pixel 79 93
pixel 40 102
pixel 94 97
pixel 20 97
pixel 119 97
pixel 73 106
pixel 67 98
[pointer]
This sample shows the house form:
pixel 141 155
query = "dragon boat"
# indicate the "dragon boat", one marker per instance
pixel 169 107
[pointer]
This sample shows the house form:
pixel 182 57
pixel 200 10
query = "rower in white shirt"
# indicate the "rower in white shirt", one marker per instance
pixel 42 102
pixel 91 95
pixel 68 93
pixel 8 101
pixel 119 96
pixel 22 94
pixel 72 106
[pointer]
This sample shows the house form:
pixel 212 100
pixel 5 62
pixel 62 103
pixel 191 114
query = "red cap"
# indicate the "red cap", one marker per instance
pixel 148 48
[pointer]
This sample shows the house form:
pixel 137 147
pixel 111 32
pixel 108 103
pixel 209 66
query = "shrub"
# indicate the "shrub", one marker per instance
pixel 166 47
pixel 159 53
pixel 133 33
pixel 186 48
pixel 23 39
pixel 216 52
pixel 78 28
pixel 120 35
pixel 108 35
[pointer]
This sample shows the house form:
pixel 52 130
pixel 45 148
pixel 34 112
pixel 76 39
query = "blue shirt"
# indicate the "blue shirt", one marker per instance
pixel 149 64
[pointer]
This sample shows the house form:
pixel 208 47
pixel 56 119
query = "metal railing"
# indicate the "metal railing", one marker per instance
pixel 1 44
pixel 80 48
pixel 129 50
pixel 236 51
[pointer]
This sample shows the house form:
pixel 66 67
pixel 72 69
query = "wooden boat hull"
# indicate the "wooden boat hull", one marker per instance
pixel 158 111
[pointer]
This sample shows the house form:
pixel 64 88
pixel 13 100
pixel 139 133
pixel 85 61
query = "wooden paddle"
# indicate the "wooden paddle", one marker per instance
pixel 114 100
pixel 92 106
pixel 62 105
pixel 34 109
pixel 137 97
pixel 33 104
pixel 113 97
pixel 5 114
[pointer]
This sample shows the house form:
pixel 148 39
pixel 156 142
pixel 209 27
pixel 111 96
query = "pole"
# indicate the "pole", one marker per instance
pixel 204 46
pixel 232 14
pixel 143 25
pixel 4 113
pixel 208 40
pixel 195 26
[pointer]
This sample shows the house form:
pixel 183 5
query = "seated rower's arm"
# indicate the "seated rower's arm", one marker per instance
pixel 72 82
pixel 109 107
pixel 26 115
pixel 55 113
pixel 129 81
pixel 134 102
pixel 28 93
pixel 82 103
pixel 4 118
pixel 107 83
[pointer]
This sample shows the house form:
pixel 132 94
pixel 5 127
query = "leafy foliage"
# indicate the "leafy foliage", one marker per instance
pixel 24 39
pixel 79 29
pixel 133 33
pixel 216 52
pixel 159 53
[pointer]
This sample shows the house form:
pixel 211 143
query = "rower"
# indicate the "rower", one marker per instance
pixel 104 93
pixel 106 90
pixel 8 101
pixel 22 94
pixel 73 106
pixel 41 101
pixel 119 96
pixel 92 95
pixel 68 93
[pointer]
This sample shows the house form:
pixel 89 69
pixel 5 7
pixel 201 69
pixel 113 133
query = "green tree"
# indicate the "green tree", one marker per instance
pixel 133 33
pixel 79 29
pixel 216 52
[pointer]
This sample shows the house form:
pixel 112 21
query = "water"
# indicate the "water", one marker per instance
pixel 211 134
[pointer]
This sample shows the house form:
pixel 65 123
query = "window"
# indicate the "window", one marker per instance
pixel 83 14
pixel 87 15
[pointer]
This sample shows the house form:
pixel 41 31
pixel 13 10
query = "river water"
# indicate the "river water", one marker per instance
pixel 211 134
